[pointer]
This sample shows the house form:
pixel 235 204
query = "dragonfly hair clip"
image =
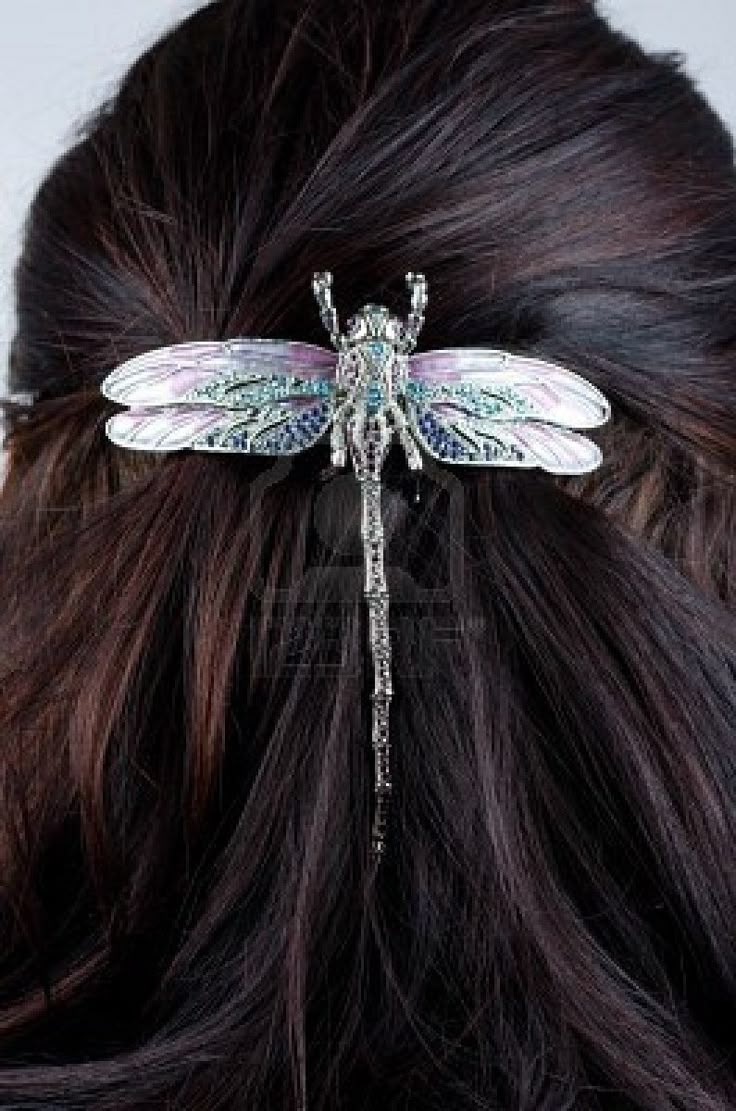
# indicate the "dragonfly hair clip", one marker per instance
pixel 464 406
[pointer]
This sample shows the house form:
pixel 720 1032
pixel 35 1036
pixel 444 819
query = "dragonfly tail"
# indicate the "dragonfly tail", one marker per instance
pixel 377 599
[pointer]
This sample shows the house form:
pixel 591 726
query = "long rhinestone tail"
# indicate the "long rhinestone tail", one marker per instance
pixel 376 592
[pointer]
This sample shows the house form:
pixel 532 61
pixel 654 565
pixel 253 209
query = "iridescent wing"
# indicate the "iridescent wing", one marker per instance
pixel 259 396
pixel 487 407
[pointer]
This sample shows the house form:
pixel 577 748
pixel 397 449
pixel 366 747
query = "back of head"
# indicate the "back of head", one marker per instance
pixel 188 918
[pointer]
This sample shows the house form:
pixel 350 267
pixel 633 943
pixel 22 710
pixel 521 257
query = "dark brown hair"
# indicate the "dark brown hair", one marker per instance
pixel 187 918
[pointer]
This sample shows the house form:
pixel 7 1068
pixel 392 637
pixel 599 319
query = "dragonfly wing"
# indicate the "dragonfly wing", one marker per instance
pixel 499 386
pixel 453 438
pixel 233 373
pixel 276 428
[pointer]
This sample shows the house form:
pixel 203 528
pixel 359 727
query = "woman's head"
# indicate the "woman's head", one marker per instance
pixel 186 769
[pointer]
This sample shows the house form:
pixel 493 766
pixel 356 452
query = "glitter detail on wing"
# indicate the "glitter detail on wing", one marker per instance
pixel 482 382
pixel 453 439
pixel 232 373
pixel 281 428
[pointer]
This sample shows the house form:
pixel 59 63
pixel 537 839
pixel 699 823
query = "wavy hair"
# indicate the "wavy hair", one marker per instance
pixel 187 914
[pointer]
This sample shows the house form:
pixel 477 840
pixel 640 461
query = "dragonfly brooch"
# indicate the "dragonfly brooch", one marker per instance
pixel 462 406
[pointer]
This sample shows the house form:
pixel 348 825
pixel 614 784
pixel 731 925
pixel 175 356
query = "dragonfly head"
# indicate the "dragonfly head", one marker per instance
pixel 375 322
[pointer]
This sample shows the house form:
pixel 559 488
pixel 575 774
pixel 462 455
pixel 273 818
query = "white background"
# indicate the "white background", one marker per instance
pixel 60 58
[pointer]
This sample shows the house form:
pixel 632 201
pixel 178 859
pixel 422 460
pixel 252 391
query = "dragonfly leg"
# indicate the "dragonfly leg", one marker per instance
pixel 407 441
pixel 385 434
pixel 338 437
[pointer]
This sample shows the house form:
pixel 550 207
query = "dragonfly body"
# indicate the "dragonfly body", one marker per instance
pixel 371 375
